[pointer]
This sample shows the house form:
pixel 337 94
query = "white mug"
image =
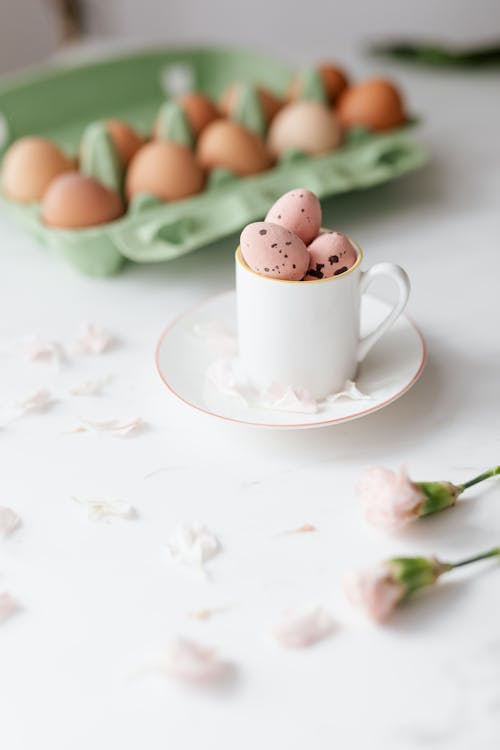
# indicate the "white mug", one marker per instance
pixel 306 333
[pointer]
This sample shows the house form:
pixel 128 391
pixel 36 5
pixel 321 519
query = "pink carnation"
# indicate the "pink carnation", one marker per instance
pixel 389 499
pixel 375 591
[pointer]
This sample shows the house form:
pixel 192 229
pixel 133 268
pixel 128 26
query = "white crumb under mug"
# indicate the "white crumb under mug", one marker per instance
pixel 307 333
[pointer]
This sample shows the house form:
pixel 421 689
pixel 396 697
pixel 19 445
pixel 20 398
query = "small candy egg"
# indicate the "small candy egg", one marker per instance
pixel 199 110
pixel 307 126
pixel 331 254
pixel 127 142
pixel 272 250
pixel 73 201
pixel 165 169
pixel 227 145
pixel 270 103
pixel 299 211
pixel 375 104
pixel 29 166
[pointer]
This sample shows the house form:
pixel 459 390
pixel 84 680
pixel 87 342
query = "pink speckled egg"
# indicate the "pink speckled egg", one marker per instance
pixel 331 254
pixel 272 250
pixel 299 211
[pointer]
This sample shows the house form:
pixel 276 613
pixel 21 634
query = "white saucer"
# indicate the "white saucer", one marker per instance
pixel 183 358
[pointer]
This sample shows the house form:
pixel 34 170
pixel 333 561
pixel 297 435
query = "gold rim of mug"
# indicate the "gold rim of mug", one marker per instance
pixel 240 259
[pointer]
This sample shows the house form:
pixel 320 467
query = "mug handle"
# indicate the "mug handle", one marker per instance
pixel 400 277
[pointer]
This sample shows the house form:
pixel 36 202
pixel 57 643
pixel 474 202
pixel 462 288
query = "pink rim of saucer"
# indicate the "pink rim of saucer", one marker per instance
pixel 275 425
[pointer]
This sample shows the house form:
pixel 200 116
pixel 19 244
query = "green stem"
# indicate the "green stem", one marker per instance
pixel 480 478
pixel 495 552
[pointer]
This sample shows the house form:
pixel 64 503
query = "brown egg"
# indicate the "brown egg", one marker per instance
pixel 269 102
pixel 375 104
pixel 226 144
pixel 73 201
pixel 29 165
pixel 165 169
pixel 334 81
pixel 125 139
pixel 306 126
pixel 199 110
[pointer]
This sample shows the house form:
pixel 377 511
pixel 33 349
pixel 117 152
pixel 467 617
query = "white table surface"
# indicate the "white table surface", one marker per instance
pixel 102 601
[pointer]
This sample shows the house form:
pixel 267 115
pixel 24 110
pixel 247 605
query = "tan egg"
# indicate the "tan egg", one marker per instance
pixel 73 201
pixel 29 166
pixel 375 104
pixel 165 169
pixel 333 78
pixel 199 110
pixel 307 126
pixel 270 103
pixel 226 144
pixel 125 139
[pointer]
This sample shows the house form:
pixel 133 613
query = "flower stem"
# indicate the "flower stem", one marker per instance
pixel 494 552
pixel 480 478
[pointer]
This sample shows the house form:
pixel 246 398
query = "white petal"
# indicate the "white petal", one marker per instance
pixel 115 427
pixel 9 521
pixel 193 545
pixel 349 390
pixel 188 661
pixel 288 398
pixel 37 401
pixel 101 510
pixel 46 351
pixel 90 387
pixel 8 606
pixel 94 340
pixel 297 630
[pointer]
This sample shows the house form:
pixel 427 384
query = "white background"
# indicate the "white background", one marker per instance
pixel 101 602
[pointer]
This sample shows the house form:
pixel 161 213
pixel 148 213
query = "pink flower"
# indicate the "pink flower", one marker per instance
pixel 390 500
pixel 376 591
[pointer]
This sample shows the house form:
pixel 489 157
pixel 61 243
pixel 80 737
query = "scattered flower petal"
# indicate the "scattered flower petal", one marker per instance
pixel 207 613
pixel 193 545
pixel 39 400
pixel 298 630
pixel 115 427
pixel 46 351
pixel 90 387
pixel 9 521
pixel 8 606
pixel 103 510
pixel 288 398
pixel 389 500
pixel 307 528
pixel 349 390
pixel 94 340
pixel 190 662
pixel 375 591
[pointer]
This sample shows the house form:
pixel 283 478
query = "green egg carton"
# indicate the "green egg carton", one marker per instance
pixel 59 102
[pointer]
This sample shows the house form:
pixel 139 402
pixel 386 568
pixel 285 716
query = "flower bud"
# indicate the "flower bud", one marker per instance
pixel 438 496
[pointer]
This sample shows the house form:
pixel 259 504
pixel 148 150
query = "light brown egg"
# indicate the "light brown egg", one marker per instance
pixel 29 166
pixel 199 110
pixel 270 103
pixel 165 169
pixel 125 139
pixel 375 104
pixel 334 81
pixel 73 201
pixel 226 144
pixel 306 126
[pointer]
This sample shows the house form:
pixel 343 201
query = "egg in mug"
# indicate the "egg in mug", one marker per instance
pixel 295 249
